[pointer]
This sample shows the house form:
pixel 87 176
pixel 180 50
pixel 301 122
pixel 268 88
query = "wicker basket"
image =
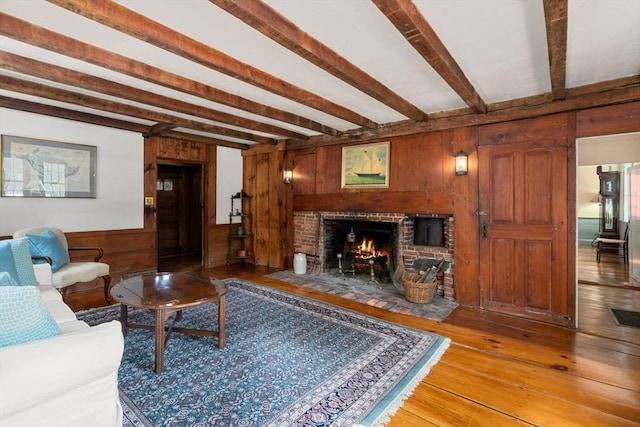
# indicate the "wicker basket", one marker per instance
pixel 414 291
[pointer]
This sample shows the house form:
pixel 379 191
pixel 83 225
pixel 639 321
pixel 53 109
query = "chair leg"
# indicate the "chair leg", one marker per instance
pixel 107 283
pixel 625 253
pixel 598 252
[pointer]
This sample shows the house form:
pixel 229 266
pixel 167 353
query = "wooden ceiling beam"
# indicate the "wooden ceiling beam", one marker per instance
pixel 605 86
pixel 158 129
pixel 34 35
pixel 75 98
pixel 185 136
pixel 78 116
pixel 64 113
pixel 406 17
pixel 272 24
pixel 627 90
pixel 139 26
pixel 556 17
pixel 32 67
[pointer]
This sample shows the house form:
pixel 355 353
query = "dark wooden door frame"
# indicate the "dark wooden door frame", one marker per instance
pixel 201 197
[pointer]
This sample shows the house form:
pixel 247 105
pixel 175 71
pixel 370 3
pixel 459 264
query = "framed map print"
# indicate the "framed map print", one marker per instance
pixel 39 168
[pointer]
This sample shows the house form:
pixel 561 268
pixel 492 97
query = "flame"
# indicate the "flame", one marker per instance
pixel 366 250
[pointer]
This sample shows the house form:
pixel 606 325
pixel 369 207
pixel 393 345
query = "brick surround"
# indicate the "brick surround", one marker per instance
pixel 309 239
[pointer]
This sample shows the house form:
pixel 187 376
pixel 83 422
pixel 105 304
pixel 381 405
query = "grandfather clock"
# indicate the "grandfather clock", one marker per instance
pixel 609 198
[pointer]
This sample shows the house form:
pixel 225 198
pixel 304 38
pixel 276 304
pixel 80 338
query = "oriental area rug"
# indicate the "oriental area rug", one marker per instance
pixel 288 361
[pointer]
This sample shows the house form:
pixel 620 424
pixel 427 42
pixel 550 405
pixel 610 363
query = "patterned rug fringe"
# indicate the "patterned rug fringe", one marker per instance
pixel 399 400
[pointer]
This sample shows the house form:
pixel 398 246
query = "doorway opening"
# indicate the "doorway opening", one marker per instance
pixel 598 156
pixel 609 280
pixel 179 217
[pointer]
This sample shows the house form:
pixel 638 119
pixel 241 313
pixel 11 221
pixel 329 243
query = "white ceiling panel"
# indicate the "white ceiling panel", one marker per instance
pixel 603 40
pixel 500 45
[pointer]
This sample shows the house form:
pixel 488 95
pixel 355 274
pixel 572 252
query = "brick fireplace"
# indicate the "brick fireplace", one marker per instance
pixel 411 237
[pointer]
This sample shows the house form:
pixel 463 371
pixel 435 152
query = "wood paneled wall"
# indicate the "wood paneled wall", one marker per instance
pixel 421 175
pixel 270 204
pixel 126 251
pixel 422 178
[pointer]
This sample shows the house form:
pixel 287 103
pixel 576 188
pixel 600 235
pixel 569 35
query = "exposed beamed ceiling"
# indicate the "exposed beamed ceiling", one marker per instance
pixel 314 72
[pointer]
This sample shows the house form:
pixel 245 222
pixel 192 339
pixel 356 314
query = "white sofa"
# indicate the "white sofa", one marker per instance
pixel 67 380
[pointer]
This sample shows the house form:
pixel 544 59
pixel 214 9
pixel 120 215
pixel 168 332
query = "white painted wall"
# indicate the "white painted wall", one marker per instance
pixel 609 149
pixel 228 181
pixel 119 194
pixel 588 186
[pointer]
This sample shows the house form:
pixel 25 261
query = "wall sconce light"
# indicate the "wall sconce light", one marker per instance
pixel 288 176
pixel 462 163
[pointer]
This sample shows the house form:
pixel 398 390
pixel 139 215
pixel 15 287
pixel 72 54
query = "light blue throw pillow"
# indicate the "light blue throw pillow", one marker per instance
pixel 6 260
pixel 23 316
pixel 47 244
pixel 22 261
pixel 6 279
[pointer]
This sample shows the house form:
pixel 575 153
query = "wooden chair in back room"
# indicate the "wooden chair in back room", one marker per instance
pixel 605 245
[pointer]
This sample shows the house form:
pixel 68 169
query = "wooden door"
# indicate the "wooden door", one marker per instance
pixel 179 201
pixel 523 230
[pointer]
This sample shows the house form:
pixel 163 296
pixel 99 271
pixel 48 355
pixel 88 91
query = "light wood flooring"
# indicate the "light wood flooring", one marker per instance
pixel 503 370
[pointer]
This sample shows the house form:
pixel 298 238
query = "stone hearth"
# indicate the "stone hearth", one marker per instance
pixel 310 239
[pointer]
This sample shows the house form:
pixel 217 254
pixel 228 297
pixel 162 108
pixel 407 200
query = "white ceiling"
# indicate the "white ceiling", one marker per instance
pixel 500 45
pixel 609 149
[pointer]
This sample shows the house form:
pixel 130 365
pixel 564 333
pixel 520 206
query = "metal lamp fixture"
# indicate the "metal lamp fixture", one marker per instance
pixel 288 176
pixel 462 163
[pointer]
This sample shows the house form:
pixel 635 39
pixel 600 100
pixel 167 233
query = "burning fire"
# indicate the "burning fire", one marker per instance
pixel 366 250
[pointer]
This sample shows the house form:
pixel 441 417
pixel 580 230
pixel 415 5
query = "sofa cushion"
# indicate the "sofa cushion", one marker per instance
pixel 59 311
pixel 6 260
pixel 72 326
pixel 47 244
pixel 22 261
pixel 15 260
pixel 6 279
pixel 23 316
pixel 75 272
pixel 49 293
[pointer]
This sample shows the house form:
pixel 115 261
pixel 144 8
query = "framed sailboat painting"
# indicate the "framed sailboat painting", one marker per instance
pixel 365 166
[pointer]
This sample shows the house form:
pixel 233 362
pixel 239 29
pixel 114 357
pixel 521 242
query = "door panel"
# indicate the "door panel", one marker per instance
pixel 179 201
pixel 503 253
pixel 523 245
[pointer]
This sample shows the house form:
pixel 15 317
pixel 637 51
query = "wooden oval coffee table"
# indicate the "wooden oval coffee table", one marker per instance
pixel 168 293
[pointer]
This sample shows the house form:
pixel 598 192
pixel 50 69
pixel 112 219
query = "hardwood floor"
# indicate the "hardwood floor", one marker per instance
pixel 602 286
pixel 611 270
pixel 503 370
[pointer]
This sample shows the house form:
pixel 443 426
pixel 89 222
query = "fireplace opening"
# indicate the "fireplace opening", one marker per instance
pixel 429 231
pixel 360 247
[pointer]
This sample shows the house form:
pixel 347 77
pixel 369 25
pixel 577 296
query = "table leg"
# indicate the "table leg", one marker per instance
pixel 160 318
pixel 123 318
pixel 221 312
